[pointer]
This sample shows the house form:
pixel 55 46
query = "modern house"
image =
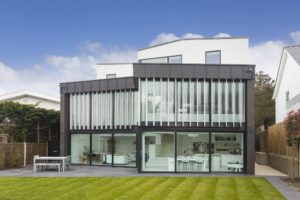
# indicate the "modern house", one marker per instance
pixel 185 106
pixel 33 98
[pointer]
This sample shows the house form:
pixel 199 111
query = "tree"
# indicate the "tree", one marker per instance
pixel 264 105
pixel 28 123
pixel 292 127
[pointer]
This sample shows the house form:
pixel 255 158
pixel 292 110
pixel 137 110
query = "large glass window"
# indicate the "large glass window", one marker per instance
pixel 101 149
pixel 158 151
pixel 167 59
pixel 125 150
pixel 80 149
pixel 227 152
pixel 175 59
pixel 192 151
pixel 213 57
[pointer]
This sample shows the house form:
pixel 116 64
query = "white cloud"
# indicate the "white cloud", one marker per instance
pixel 266 56
pixel 163 38
pixel 295 36
pixel 192 35
pixel 168 37
pixel 45 78
pixel 222 35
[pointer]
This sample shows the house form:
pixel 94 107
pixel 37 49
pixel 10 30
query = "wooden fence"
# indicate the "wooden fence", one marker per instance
pixel 280 155
pixel 16 155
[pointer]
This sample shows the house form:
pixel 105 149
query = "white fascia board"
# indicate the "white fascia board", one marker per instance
pixel 280 73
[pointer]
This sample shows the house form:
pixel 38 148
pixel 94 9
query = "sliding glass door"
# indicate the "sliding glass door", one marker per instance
pixel 80 149
pixel 192 151
pixel 102 149
pixel 158 151
pixel 125 150
pixel 227 152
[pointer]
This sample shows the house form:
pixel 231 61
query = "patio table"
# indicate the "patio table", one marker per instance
pixel 61 159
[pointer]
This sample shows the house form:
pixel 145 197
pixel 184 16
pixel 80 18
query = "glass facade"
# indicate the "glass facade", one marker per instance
pixel 192 151
pixel 101 149
pixel 186 102
pixel 158 151
pixel 125 150
pixel 80 149
pixel 195 152
pixel 117 149
pixel 227 152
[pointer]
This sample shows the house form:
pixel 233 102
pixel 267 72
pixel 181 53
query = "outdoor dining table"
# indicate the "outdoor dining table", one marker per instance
pixel 44 158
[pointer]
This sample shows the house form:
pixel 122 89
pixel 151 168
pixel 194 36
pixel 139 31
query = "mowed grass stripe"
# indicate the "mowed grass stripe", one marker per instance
pixel 225 187
pixel 161 191
pixel 97 190
pixel 247 189
pixel 144 188
pixel 134 182
pixel 83 188
pixel 266 189
pixel 23 186
pixel 156 188
pixel 37 188
pixel 184 188
pixel 78 186
pixel 205 188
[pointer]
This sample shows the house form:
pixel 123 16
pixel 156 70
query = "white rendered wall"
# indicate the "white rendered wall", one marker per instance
pixel 121 70
pixel 290 82
pixel 41 102
pixel 233 50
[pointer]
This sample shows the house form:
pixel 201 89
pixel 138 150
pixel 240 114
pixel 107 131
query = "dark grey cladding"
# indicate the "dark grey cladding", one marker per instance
pixel 144 70
pixel 127 83
pixel 194 71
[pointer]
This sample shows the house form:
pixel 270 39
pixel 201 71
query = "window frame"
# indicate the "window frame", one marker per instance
pixel 220 59
pixel 114 74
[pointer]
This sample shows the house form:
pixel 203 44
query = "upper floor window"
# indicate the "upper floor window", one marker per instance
pixel 111 75
pixel 167 59
pixel 213 57
pixel 287 96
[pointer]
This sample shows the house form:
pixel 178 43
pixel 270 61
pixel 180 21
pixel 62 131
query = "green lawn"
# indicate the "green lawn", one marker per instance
pixel 155 188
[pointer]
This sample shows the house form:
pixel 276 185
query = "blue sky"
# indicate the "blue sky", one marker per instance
pixel 38 36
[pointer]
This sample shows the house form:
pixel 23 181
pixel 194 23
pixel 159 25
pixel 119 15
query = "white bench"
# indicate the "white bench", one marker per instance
pixel 49 164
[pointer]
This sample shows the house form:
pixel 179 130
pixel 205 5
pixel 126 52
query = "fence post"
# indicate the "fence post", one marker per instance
pixel 25 148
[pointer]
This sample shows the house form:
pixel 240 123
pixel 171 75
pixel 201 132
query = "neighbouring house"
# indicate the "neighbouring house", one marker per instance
pixel 33 98
pixel 287 86
pixel 287 92
pixel 185 106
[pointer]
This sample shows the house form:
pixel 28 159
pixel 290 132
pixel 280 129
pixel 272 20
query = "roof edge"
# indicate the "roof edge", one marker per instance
pixel 182 39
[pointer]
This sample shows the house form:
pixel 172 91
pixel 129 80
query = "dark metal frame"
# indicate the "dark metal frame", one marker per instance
pixel 113 145
pixel 175 131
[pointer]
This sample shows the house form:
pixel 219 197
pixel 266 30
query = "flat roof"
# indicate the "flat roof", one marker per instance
pixel 182 39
